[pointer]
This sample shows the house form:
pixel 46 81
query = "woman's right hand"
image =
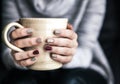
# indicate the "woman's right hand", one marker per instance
pixel 21 38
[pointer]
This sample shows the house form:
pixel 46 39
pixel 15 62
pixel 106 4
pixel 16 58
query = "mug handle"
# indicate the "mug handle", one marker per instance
pixel 5 32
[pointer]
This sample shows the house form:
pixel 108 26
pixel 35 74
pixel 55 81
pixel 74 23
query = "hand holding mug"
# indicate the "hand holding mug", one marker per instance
pixel 64 45
pixel 61 46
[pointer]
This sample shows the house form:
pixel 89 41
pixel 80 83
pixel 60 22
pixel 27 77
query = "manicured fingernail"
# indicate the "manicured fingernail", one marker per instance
pixel 50 40
pixel 38 40
pixel 35 52
pixel 48 47
pixel 54 56
pixel 33 59
pixel 57 32
pixel 29 31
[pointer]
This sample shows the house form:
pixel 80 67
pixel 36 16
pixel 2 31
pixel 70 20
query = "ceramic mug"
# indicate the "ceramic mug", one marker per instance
pixel 44 28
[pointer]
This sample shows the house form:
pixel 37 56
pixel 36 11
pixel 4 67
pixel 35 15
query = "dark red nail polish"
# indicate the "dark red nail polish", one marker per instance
pixel 35 52
pixel 48 48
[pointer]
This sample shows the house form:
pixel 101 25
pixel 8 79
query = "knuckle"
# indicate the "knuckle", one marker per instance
pixel 76 36
pixel 22 32
pixel 65 52
pixel 27 62
pixel 31 41
pixel 20 43
pixel 71 51
pixel 60 41
pixel 56 50
pixel 72 35
pixel 16 43
pixel 71 44
pixel 22 63
pixel 28 54
pixel 16 56
pixel 28 42
pixel 68 44
pixel 61 59
pixel 68 59
pixel 12 35
pixel 76 45
pixel 18 32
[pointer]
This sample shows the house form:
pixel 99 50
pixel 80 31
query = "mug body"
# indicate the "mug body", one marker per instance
pixel 44 28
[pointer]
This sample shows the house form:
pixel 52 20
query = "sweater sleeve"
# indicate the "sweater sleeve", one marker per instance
pixel 9 14
pixel 88 33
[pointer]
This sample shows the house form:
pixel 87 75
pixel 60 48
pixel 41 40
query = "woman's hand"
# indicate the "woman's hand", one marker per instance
pixel 21 38
pixel 62 47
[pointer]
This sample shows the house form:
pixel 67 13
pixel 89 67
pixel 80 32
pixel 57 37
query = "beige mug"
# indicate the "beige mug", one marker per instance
pixel 43 27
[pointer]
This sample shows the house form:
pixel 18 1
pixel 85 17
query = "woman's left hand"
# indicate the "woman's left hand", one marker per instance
pixel 62 47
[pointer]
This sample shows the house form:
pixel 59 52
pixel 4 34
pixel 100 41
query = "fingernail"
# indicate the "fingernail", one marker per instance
pixel 48 47
pixel 54 56
pixel 33 59
pixel 38 40
pixel 70 27
pixel 57 32
pixel 50 40
pixel 35 52
pixel 29 31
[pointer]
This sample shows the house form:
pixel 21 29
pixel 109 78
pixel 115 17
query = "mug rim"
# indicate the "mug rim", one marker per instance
pixel 37 20
pixel 44 18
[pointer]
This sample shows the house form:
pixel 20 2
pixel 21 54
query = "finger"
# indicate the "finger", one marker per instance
pixel 69 26
pixel 26 55
pixel 62 42
pixel 27 62
pixel 66 33
pixel 60 50
pixel 61 59
pixel 21 32
pixel 27 42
